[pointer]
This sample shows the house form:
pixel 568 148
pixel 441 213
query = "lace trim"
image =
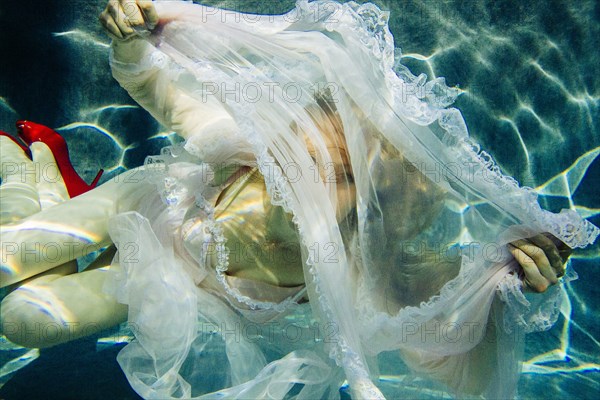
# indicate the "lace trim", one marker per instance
pixel 217 241
pixel 428 105
pixel 519 313
pixel 175 194
pixel 371 24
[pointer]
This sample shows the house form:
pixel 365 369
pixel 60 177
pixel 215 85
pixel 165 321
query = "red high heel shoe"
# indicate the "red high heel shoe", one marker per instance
pixel 31 132
pixel 18 143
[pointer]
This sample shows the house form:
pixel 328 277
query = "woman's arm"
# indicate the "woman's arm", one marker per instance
pixel 145 73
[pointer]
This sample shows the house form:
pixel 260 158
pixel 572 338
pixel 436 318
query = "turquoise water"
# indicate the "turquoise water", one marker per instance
pixel 531 98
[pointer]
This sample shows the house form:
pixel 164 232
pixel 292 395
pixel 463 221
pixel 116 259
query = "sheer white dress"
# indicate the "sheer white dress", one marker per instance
pixel 418 265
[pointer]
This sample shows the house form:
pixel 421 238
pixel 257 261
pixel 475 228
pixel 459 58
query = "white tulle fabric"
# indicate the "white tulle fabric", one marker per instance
pixel 421 184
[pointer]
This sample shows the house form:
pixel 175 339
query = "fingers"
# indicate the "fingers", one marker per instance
pixel 133 16
pixel 51 186
pixel 118 14
pixel 540 258
pixel 551 251
pixel 533 277
pixel 542 261
pixel 149 11
pixel 123 18
pixel 108 22
pixel 563 249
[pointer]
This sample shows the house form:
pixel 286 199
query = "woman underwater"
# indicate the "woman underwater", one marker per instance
pixel 312 169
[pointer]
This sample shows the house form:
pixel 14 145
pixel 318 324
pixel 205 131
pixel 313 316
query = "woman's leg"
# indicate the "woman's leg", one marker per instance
pixel 55 309
pixel 42 232
pixel 68 230
pixel 18 192
pixel 28 186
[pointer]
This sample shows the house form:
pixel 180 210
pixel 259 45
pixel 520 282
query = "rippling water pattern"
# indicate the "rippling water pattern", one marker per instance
pixel 531 97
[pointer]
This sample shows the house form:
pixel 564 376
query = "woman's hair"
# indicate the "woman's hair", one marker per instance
pixel 405 200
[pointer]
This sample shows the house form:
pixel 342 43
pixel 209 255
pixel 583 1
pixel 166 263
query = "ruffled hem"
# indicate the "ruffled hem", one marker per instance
pixel 177 193
pixel 408 113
